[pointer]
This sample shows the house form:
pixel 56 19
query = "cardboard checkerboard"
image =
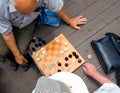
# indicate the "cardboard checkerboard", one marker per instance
pixel 51 58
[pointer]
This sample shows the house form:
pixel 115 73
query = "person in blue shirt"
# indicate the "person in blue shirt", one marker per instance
pixel 21 14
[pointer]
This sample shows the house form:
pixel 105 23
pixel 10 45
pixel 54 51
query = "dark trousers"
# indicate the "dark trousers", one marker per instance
pixel 22 37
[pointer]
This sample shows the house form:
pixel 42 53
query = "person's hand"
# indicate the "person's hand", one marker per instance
pixel 90 69
pixel 21 60
pixel 80 20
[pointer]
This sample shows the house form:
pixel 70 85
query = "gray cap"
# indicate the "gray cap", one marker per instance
pixel 46 85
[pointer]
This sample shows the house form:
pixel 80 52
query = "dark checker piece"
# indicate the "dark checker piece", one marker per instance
pixel 33 40
pixel 40 44
pixel 59 70
pixel 39 39
pixel 59 64
pixel 66 64
pixel 76 56
pixel 66 58
pixel 70 56
pixel 74 53
pixel 33 49
pixel 36 45
pixel 43 41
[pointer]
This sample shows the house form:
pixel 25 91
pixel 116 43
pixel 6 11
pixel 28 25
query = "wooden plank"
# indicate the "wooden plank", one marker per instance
pixel 94 61
pixel 21 80
pixel 63 28
pixel 43 30
pixel 113 27
pixel 67 3
pixel 85 48
pixel 28 86
pixel 78 6
pixel 77 37
pixel 96 24
pixel 80 71
pixel 97 15
pixel 7 76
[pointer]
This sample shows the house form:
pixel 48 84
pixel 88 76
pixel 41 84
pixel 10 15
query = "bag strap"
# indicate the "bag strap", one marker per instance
pixel 113 35
pixel 115 39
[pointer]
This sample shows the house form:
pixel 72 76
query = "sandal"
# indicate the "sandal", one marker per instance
pixel 25 67
pixel 14 66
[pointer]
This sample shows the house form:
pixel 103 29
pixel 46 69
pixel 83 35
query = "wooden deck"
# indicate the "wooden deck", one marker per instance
pixel 103 16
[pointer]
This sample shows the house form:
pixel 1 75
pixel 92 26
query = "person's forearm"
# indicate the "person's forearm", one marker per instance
pixel 100 78
pixel 64 16
pixel 11 43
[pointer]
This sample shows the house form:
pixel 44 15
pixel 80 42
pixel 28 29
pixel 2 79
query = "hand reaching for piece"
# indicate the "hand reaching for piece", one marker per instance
pixel 90 69
pixel 21 60
pixel 74 22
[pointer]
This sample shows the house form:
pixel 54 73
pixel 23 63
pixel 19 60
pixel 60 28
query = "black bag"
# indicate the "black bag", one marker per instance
pixel 107 50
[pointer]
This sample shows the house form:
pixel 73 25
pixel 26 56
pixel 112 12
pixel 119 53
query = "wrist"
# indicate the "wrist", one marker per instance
pixel 64 16
pixel 95 74
pixel 17 55
pixel 69 21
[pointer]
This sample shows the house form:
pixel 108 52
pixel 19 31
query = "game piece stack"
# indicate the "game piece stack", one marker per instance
pixel 56 56
pixel 36 44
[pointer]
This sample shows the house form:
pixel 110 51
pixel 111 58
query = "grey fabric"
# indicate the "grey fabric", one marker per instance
pixel 54 5
pixel 46 85
pixel 10 16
